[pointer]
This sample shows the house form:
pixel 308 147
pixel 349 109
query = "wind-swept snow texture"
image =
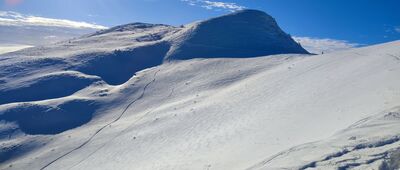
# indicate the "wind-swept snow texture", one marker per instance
pixel 372 143
pixel 110 100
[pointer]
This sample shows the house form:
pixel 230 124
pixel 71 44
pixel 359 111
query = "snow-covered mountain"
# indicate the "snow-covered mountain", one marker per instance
pixel 134 97
pixel 247 33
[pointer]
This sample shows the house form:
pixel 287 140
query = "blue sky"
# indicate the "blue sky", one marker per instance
pixel 356 21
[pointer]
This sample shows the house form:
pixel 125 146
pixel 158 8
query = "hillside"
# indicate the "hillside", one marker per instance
pixel 130 98
pixel 247 33
pixel 117 53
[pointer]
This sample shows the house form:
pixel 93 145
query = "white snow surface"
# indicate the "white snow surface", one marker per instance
pixel 246 33
pixel 219 113
pixel 371 143
pixel 83 104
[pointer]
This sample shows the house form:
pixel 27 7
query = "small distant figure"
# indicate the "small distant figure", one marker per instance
pixel 134 138
pixel 322 52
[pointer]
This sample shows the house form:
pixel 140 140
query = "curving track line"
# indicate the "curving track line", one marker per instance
pixel 102 128
pixel 120 133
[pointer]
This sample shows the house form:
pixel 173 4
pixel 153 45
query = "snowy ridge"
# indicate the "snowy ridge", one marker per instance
pixel 133 27
pixel 247 33
pixel 110 101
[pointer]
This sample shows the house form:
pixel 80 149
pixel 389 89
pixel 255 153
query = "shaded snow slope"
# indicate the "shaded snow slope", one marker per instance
pixel 37 119
pixel 53 85
pixel 206 113
pixel 246 33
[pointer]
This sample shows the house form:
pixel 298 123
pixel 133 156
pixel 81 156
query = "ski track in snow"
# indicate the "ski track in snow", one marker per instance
pixel 395 57
pixel 108 124
pixel 124 130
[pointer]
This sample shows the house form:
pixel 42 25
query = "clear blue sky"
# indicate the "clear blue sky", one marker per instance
pixel 358 21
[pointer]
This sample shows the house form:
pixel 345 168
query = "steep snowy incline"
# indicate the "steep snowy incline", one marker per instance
pixel 247 33
pixel 218 113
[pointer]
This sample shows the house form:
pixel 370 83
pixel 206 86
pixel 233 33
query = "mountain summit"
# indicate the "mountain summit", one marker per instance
pixel 116 54
pixel 246 33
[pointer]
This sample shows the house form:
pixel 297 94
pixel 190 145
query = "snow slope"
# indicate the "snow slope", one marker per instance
pixel 246 33
pixel 110 101
pixel 177 116
pixel 372 143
